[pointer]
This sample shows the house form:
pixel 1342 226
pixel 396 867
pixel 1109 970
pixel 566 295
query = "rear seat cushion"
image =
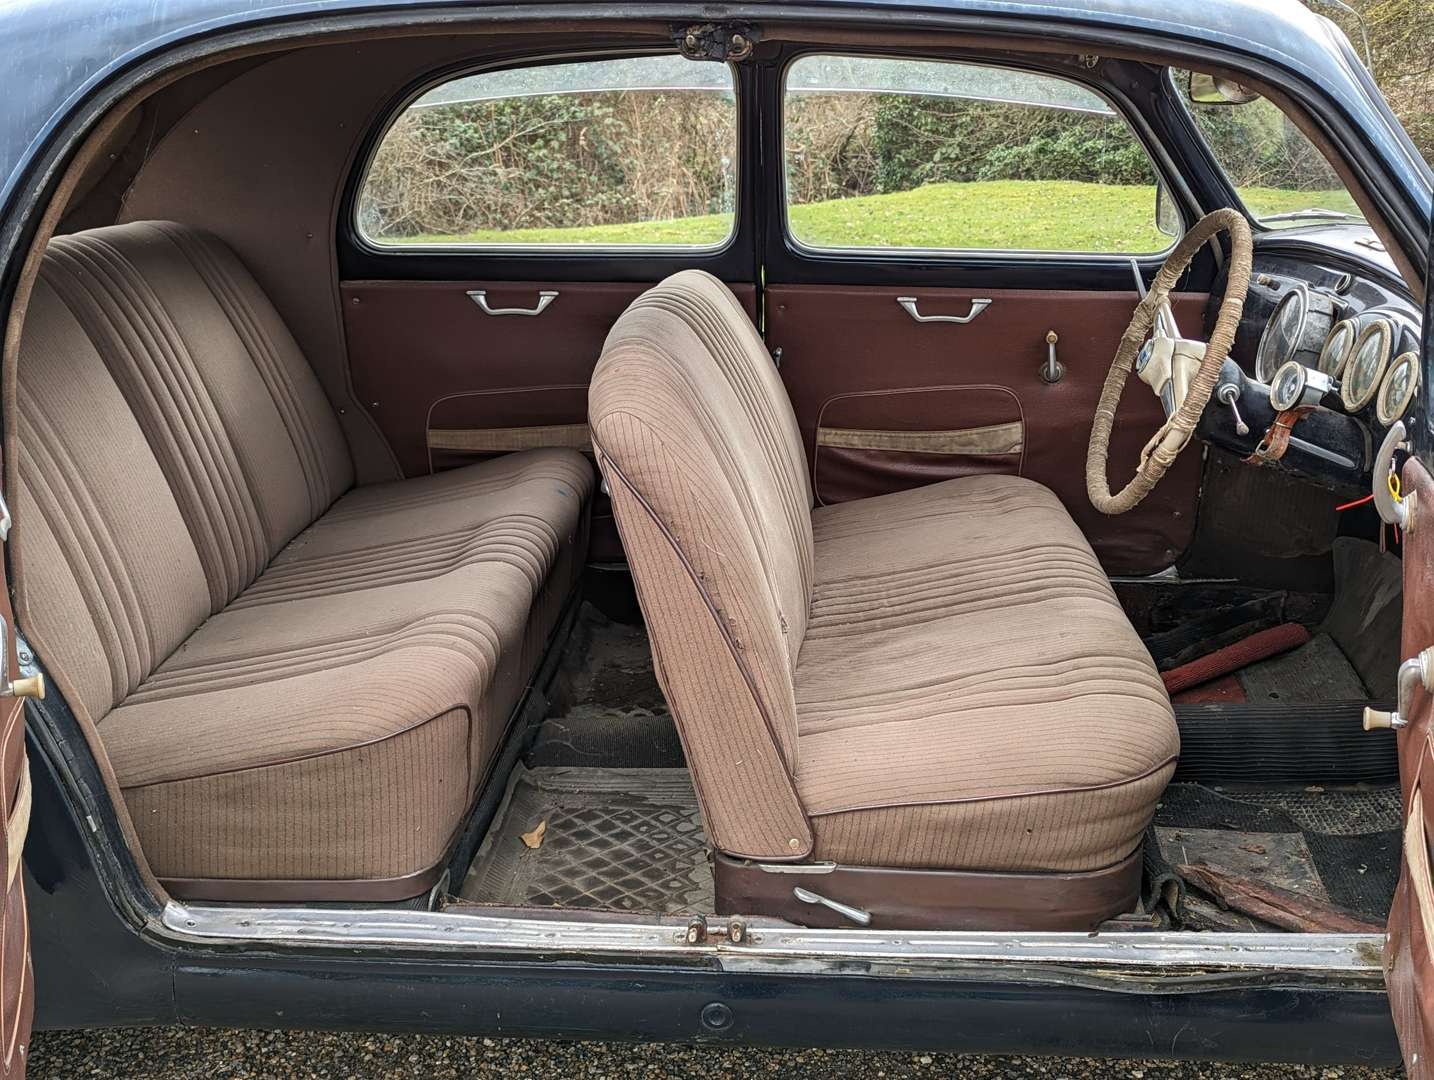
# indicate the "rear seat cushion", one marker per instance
pixel 327 723
pixel 408 665
pixel 970 693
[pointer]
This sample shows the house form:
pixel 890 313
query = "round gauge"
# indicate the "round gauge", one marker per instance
pixel 1299 387
pixel 1367 363
pixel 1296 331
pixel 1288 386
pixel 1397 389
pixel 1338 346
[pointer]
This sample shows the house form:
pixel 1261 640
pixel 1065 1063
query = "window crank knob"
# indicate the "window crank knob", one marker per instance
pixel 1416 671
pixel 1382 720
pixel 32 686
pixel 1052 371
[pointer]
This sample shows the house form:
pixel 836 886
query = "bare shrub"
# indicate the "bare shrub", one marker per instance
pixel 552 161
pixel 830 152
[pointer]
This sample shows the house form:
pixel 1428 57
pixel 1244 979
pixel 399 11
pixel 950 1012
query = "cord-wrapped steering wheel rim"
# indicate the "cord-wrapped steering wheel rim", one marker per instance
pixel 1178 429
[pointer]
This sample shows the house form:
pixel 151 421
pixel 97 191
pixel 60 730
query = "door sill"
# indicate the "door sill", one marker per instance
pixel 1132 962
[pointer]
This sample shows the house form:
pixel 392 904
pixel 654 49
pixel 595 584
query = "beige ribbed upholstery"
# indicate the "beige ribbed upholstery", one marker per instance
pixel 293 681
pixel 941 678
pixel 970 693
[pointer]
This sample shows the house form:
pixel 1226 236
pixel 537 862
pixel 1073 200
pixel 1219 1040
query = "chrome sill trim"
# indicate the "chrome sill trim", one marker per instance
pixel 1351 959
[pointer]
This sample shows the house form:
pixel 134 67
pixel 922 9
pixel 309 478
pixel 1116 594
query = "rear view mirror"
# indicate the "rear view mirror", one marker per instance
pixel 1206 89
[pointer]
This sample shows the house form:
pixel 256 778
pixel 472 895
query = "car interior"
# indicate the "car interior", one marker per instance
pixel 686 475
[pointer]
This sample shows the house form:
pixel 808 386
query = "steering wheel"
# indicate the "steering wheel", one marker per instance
pixel 1161 451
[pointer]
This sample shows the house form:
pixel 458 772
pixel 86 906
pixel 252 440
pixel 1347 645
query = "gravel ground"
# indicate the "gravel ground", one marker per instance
pixel 182 1053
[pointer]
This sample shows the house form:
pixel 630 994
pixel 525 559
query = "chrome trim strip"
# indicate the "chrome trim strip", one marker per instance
pixel 770 946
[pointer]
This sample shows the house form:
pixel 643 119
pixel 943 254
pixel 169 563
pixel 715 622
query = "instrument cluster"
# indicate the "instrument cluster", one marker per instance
pixel 1319 346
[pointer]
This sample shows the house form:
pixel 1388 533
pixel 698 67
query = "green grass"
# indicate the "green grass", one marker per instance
pixel 1003 214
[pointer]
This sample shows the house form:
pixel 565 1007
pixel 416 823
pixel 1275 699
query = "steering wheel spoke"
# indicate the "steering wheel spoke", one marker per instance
pixel 1154 316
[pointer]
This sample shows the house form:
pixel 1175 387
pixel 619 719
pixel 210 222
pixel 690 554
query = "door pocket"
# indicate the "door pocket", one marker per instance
pixel 879 441
pixel 466 427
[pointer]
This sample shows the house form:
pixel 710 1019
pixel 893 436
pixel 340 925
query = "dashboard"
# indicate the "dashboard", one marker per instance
pixel 1328 336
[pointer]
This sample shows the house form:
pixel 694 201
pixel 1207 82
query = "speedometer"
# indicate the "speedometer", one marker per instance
pixel 1367 364
pixel 1397 389
pixel 1296 331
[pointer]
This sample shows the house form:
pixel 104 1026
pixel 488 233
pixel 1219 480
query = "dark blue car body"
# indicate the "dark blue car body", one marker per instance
pixel 100 956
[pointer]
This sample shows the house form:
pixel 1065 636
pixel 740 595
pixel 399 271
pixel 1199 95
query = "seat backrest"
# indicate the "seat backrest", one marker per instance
pixel 170 440
pixel 702 455
pixel 236 417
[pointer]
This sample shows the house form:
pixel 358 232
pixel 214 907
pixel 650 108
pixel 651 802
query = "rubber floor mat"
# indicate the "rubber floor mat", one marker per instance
pixel 606 709
pixel 1342 845
pixel 611 839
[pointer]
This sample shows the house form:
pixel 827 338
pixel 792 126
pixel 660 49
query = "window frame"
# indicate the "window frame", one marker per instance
pixel 369 249
pixel 801 249
pixel 1187 108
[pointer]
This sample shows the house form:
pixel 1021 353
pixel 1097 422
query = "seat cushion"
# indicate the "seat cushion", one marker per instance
pixel 335 720
pixel 970 694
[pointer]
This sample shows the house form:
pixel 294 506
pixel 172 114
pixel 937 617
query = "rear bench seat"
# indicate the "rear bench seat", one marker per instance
pixel 299 684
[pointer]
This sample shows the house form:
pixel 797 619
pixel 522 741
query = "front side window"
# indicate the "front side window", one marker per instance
pixel 631 152
pixel 891 154
pixel 1280 175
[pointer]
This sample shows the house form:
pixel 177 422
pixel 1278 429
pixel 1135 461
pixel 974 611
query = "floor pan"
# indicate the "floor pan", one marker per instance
pixel 1339 845
pixel 627 840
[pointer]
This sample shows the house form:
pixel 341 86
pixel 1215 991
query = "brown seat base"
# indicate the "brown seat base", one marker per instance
pixel 900 899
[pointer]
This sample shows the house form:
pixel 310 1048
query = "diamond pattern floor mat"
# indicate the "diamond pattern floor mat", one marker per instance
pixel 611 839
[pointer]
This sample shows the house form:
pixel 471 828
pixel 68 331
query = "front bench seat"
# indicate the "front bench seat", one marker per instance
pixel 298 684
pixel 932 699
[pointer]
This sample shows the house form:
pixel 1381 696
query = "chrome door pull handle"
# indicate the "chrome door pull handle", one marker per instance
pixel 545 297
pixel 908 303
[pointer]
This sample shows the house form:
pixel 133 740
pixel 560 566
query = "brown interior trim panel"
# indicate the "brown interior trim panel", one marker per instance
pixel 930 899
pixel 250 891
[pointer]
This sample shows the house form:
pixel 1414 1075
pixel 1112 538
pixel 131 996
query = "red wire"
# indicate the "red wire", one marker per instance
pixel 1352 505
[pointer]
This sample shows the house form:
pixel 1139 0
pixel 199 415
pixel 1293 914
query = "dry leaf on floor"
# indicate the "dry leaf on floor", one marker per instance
pixel 534 839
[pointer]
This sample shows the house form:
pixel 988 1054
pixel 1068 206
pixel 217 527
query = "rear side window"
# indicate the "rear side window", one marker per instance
pixel 610 153
pixel 890 154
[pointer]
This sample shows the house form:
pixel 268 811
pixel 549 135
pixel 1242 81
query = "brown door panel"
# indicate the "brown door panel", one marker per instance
pixel 424 357
pixel 1409 946
pixel 448 384
pixel 17 983
pixel 886 403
